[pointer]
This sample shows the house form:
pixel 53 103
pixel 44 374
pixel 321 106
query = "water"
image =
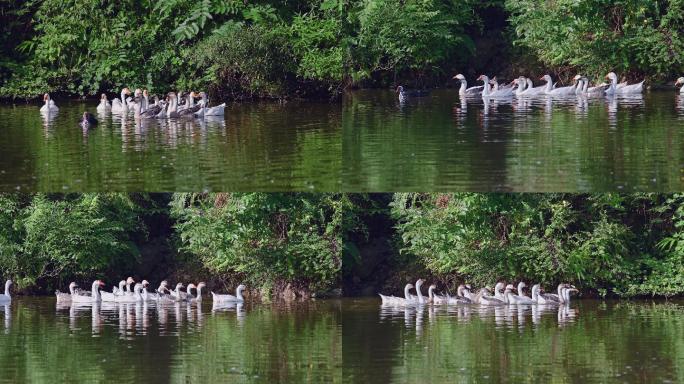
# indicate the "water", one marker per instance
pixel 542 145
pixel 588 342
pixel 257 147
pixel 124 343
pixel 342 341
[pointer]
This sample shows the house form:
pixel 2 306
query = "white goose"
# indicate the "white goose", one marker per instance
pixel 199 287
pixel 205 110
pixel 616 89
pixel 464 90
pixel 560 91
pixel 483 297
pixel 121 105
pixel 6 298
pixel 583 88
pixel 531 90
pixel 460 297
pixel 93 296
pixel 105 105
pixel 393 300
pixel 131 298
pixel 63 297
pixel 491 92
pixel 217 298
pixel 111 296
pixel 680 81
pixel 49 105
pixel 520 298
pixel 177 294
pixel 539 297
pixel 521 86
pixel 498 291
pixel 435 298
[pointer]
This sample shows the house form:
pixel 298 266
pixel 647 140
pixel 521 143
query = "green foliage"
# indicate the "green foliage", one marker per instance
pixel 72 237
pixel 597 36
pixel 605 242
pixel 267 237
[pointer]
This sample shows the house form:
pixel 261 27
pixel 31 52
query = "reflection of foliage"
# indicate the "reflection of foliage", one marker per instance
pixel 602 241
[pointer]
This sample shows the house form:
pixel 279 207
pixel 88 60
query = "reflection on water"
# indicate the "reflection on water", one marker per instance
pixel 587 341
pixel 177 343
pixel 630 143
pixel 255 147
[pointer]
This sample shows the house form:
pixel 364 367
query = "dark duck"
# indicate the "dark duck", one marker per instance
pixel 88 120
pixel 405 94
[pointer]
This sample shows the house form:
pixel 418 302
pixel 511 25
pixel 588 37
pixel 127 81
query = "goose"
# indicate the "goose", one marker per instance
pixel 498 291
pixel 616 89
pixel 163 288
pixel 87 120
pixel 217 298
pixel 435 298
pixel 464 90
pixel 6 298
pixel 105 105
pixel 520 298
pixel 680 81
pixel 49 105
pixel 404 94
pixel 483 297
pixel 63 297
pixel 393 300
pixel 460 297
pixel 531 90
pixel 146 296
pixel 560 91
pixel 172 109
pixel 129 281
pixel 490 92
pixel 555 297
pixel 584 89
pixel 177 294
pixel 153 111
pixel 539 297
pixel 191 108
pixel 521 85
pixel 566 293
pixel 131 298
pixel 80 297
pixel 111 296
pixel 419 298
pixel 199 288
pixel 218 110
pixel 121 105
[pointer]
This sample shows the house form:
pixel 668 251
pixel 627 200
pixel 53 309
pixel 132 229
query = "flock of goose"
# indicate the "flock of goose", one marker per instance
pixel 139 293
pixel 524 87
pixel 139 105
pixel 503 295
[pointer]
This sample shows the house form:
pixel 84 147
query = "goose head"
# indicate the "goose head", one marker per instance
pixel 546 78
pixel 612 77
pixel 201 285
pixel 46 97
pixel 126 91
pixel 190 287
pixel 145 93
pixel 103 97
pixel 179 286
pixel 137 93
pixel 399 89
pixel 679 81
pixel 72 286
pixel 130 280
pixel 459 77
pixel 499 287
pixel 241 288
pixel 145 283
pixel 483 78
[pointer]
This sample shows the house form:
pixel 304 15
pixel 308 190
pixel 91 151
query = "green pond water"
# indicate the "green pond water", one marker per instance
pixel 294 146
pixel 441 142
pixel 342 341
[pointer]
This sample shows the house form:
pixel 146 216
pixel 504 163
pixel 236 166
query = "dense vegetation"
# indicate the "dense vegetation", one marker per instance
pixel 302 244
pixel 629 245
pixel 312 47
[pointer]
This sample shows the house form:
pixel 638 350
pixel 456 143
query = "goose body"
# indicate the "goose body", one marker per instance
pixel 221 298
pixel 520 298
pixel 105 105
pixel 464 90
pixel 560 91
pixel 128 298
pixel 531 90
pixel 121 105
pixel 405 94
pixel 678 82
pixel 49 105
pixel 435 298
pixel 493 91
pixel 80 297
pixel 483 297
pixel 111 296
pixel 618 89
pixel 63 297
pixel 6 298
pixel 393 300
